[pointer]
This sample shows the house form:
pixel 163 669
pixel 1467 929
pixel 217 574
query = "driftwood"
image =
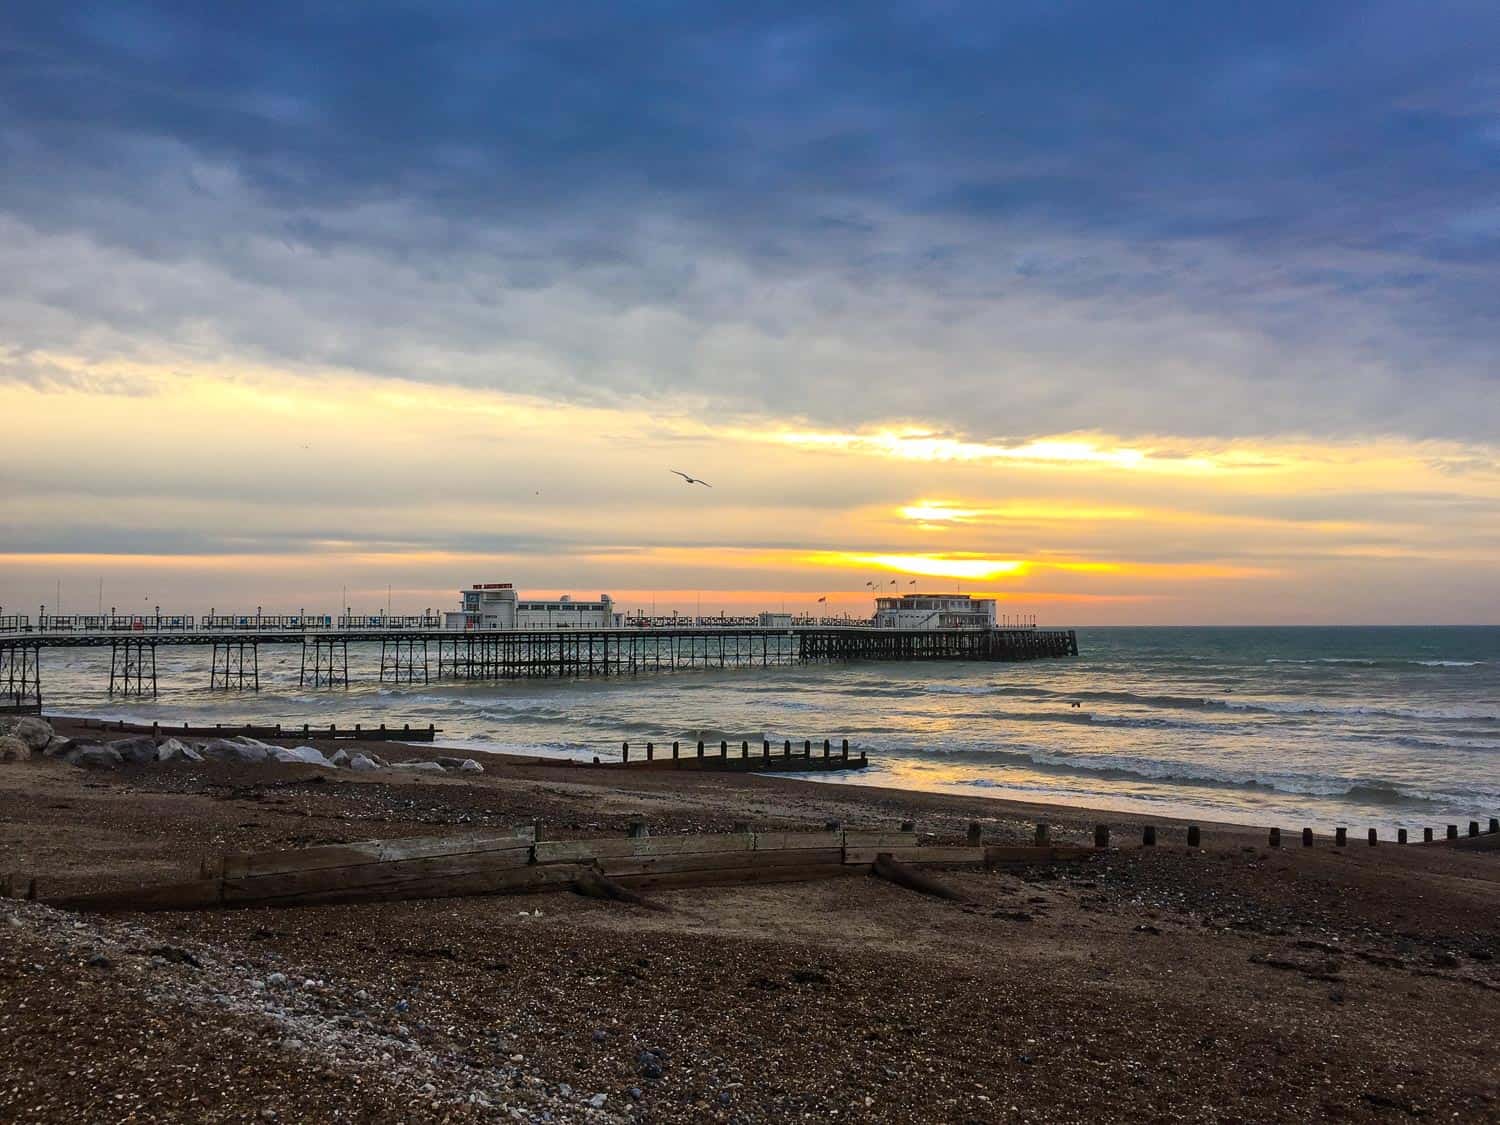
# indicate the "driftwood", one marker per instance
pixel 888 867
pixel 592 883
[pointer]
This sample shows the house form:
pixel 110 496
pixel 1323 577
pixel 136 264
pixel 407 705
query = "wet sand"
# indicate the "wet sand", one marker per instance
pixel 1229 982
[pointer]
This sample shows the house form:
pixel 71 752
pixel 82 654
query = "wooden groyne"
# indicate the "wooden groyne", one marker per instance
pixel 764 758
pixel 410 654
pixel 515 861
pixel 305 732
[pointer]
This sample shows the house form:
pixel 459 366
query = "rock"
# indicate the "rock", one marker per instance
pixel 92 756
pixel 469 765
pixel 176 956
pixel 225 750
pixel 276 980
pixel 340 758
pixel 13 749
pixel 190 753
pixel 649 1065
pixel 57 746
pixel 636 1093
pixel 35 732
pixel 136 751
pixel 597 1101
pixel 419 767
pixel 362 763
pixel 600 1036
pixel 302 755
pixel 170 750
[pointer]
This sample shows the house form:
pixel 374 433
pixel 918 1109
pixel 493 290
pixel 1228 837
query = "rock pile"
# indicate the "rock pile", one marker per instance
pixel 21 737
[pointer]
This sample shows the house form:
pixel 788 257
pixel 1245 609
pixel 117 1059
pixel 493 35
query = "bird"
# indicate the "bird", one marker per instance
pixel 691 480
pixel 1076 703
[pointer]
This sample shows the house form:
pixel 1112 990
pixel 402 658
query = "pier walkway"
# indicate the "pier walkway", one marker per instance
pixel 414 652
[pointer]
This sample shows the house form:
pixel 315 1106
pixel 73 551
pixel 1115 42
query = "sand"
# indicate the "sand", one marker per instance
pixel 1229 982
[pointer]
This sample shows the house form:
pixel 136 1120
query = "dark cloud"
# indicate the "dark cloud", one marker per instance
pixel 1209 218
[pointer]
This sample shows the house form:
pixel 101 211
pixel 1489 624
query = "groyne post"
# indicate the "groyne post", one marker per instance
pixel 625 752
pixel 844 751
pixel 1340 837
pixel 1495 824
pixel 1194 836
pixel 650 750
pixel 1473 828
pixel 1374 838
pixel 1427 835
pixel 1307 838
pixel 1453 832
pixel 1043 832
pixel 975 836
pixel 1148 836
pixel 1400 835
pixel 1275 837
pixel 638 830
pixel 1101 835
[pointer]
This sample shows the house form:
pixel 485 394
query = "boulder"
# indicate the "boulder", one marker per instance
pixel 226 750
pixel 93 756
pixel 190 753
pixel 57 746
pixel 421 767
pixel 469 765
pixel 304 755
pixel 170 750
pixel 136 751
pixel 362 763
pixel 340 758
pixel 35 732
pixel 13 749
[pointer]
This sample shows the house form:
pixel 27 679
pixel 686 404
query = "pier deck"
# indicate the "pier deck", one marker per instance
pixel 424 655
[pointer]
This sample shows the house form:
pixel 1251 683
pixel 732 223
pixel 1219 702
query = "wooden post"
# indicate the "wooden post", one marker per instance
pixel 976 835
pixel 765 749
pixel 674 751
pixel 650 750
pixel 1427 835
pixel 807 748
pixel 826 749
pixel 1307 837
pixel 624 751
pixel 744 749
pixel 1042 834
pixel 844 751
pixel 1453 832
pixel 700 748
pixel 1194 837
pixel 638 830
pixel 786 748
pixel 741 826
pixel 908 826
pixel 1495 824
pixel 1148 836
pixel 1340 837
pixel 1101 835
pixel 1400 835
pixel 1275 838
pixel 1473 828
pixel 723 749
pixel 1374 838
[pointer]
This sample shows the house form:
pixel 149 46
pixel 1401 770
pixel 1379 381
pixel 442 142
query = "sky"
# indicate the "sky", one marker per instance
pixel 1161 313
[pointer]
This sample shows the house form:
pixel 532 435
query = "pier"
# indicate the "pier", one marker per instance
pixel 414 651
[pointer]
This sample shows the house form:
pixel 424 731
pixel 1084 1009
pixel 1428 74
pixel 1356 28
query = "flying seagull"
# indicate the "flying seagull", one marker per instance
pixel 691 480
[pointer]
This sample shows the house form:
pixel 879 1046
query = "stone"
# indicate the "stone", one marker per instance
pixel 190 753
pixel 598 1100
pixel 13 749
pixel 340 758
pixel 649 1065
pixel 225 750
pixel 138 751
pixel 170 750
pixel 276 980
pixel 36 733
pixel 419 767
pixel 301 755
pixel 92 756
pixel 469 765
pixel 57 746
pixel 362 763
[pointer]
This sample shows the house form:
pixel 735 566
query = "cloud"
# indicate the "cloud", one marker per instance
pixel 1232 222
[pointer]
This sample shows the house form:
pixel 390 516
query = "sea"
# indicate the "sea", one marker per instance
pixel 1361 727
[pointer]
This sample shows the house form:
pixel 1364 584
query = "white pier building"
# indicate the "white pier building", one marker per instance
pixel 934 611
pixel 498 605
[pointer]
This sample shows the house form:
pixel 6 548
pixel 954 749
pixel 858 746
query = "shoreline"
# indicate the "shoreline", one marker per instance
pixel 1083 808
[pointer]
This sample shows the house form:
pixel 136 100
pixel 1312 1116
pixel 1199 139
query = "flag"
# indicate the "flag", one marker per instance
pixel 823 599
pixel 913 582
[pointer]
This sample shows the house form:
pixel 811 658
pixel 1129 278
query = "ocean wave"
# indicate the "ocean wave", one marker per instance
pixel 1125 767
pixel 1368 663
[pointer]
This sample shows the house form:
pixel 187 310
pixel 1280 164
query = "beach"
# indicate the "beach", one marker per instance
pixel 1226 982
